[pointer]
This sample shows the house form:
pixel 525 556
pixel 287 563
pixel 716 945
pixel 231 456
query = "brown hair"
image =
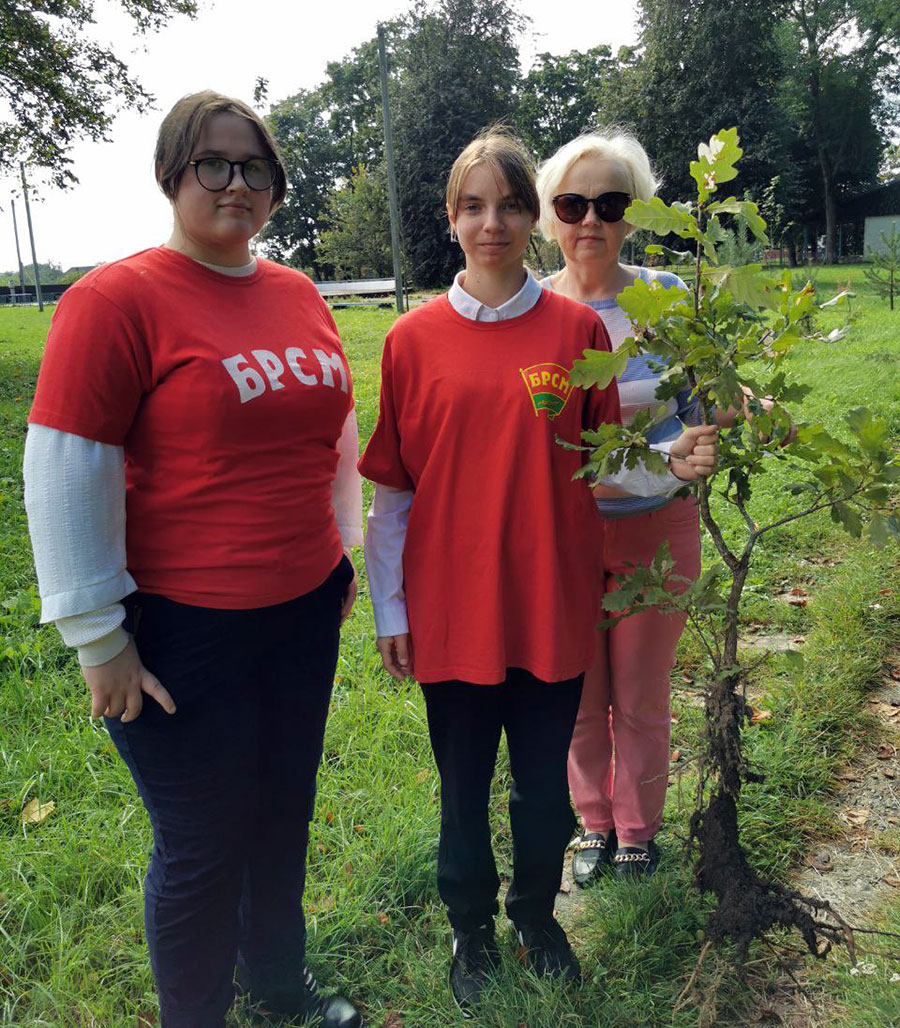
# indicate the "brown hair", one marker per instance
pixel 497 147
pixel 181 129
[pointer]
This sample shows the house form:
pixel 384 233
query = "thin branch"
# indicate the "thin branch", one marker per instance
pixel 679 1003
pixel 810 510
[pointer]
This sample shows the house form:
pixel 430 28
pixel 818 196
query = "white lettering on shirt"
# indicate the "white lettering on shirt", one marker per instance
pixel 327 364
pixel 290 355
pixel 251 383
pixel 272 367
pixel 248 380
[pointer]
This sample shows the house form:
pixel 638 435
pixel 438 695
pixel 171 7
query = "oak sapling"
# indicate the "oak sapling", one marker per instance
pixel 726 337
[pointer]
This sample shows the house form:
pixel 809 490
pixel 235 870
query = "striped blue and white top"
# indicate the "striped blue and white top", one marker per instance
pixel 637 392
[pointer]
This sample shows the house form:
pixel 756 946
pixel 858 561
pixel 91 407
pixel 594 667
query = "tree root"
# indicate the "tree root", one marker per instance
pixel 749 906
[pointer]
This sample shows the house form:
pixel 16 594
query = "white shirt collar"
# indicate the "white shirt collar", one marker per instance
pixel 466 305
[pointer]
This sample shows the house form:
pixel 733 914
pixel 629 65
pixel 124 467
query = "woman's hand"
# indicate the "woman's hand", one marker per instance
pixel 695 453
pixel 352 590
pixel 728 417
pixel 396 654
pixel 117 687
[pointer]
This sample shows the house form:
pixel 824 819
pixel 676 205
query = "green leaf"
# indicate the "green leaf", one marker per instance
pixel 870 432
pixel 745 209
pixel 600 367
pixel 794 663
pixel 715 164
pixel 646 302
pixel 878 531
pixel 675 256
pixel 661 218
pixel 748 284
pixel 842 513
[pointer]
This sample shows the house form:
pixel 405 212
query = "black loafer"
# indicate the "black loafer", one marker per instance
pixel 591 857
pixel 634 862
pixel 302 1000
pixel 475 958
pixel 545 949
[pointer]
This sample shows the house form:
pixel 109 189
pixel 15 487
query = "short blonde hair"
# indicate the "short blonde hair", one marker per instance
pixel 610 145
pixel 181 128
pixel 497 147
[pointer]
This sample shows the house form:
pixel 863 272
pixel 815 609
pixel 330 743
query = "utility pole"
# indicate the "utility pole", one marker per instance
pixel 392 180
pixel 18 253
pixel 34 263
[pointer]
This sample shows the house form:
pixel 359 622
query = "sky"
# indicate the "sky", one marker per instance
pixel 116 208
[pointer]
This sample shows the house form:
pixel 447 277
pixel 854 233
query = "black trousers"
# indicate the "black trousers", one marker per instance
pixel 229 784
pixel 464 722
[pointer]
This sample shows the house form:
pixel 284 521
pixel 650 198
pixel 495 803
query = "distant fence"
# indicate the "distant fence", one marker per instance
pixel 14 296
pixel 364 292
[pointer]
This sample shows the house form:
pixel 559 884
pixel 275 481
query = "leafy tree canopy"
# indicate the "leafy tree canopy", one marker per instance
pixel 57 85
pixel 358 242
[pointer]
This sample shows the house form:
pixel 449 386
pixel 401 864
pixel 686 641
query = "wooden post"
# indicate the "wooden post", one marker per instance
pixel 34 263
pixel 391 177
pixel 18 252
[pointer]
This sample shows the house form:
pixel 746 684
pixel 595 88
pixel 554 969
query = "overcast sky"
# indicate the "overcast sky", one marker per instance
pixel 116 209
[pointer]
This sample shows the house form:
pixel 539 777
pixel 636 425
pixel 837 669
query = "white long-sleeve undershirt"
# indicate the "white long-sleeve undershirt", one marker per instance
pixel 388 516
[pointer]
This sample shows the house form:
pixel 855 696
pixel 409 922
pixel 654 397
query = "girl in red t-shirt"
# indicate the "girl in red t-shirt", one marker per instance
pixel 482 551
pixel 205 393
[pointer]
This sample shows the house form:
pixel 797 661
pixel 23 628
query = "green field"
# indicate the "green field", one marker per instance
pixel 71 930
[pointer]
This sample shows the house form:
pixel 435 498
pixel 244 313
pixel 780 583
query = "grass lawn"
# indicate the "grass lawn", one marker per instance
pixel 71 931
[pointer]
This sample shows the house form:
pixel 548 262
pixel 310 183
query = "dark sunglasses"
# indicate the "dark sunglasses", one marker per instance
pixel 216 173
pixel 572 207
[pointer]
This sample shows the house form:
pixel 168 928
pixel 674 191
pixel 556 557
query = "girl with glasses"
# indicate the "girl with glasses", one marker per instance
pixel 481 552
pixel 619 758
pixel 204 393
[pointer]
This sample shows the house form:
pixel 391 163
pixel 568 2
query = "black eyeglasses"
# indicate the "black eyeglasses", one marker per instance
pixel 216 173
pixel 572 207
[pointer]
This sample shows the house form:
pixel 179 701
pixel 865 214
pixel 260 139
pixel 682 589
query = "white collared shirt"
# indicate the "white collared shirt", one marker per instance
pixel 466 304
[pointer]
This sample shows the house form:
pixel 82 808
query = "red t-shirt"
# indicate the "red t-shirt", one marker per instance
pixel 228 396
pixel 501 559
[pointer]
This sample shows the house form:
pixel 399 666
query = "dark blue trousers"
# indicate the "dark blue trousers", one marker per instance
pixel 229 784
pixel 465 722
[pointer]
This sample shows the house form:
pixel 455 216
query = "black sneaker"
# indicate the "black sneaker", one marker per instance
pixel 591 856
pixel 545 949
pixel 304 1001
pixel 475 958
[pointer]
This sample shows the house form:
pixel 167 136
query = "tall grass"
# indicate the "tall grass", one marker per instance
pixel 71 935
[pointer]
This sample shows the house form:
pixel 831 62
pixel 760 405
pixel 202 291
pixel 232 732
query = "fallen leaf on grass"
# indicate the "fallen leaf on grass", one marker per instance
pixel 894 883
pixel 894 672
pixel 34 811
pixel 329 817
pixel 886 752
pixel 676 756
pixel 797 601
pixel 565 888
pixel 797 591
pixel 383 918
pixel 759 715
pixel 858 817
pixel 888 773
pixel 393 1020
pixel 848 776
pixel 422 775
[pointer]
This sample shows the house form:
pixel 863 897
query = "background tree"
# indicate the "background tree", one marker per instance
pixel 358 242
pixel 459 73
pixel 312 162
pixel 57 85
pixel 844 54
pixel 704 64
pixel 884 275
pixel 562 96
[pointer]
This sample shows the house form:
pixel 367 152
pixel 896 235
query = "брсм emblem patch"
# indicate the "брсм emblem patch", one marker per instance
pixel 548 386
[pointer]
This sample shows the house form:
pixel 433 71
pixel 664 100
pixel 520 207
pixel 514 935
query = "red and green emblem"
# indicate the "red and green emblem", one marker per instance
pixel 548 386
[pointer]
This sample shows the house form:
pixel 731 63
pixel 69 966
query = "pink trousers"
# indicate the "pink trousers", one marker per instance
pixel 619 757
